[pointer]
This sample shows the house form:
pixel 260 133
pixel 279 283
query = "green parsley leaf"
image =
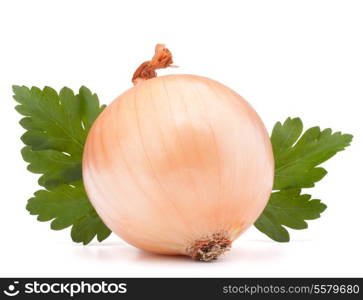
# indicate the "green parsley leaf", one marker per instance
pixel 57 168
pixel 288 208
pixel 68 205
pixel 297 156
pixel 56 129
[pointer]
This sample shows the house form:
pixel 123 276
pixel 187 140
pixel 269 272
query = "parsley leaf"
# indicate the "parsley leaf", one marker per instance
pixel 56 130
pixel 57 168
pixel 288 208
pixel 68 205
pixel 297 156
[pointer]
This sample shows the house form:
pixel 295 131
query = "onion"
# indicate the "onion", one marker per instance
pixel 178 164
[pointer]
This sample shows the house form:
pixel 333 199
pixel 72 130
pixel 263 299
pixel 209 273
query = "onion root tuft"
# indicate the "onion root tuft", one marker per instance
pixel 209 248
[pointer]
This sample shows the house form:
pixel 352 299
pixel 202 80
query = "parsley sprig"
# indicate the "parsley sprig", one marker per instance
pixel 297 157
pixel 56 129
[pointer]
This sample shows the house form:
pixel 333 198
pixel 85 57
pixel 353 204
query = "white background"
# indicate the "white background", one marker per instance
pixel 287 58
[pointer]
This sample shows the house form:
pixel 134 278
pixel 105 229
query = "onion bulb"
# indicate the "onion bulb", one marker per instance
pixel 178 164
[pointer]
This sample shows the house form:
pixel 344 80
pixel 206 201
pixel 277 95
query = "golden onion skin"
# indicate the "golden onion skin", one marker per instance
pixel 178 161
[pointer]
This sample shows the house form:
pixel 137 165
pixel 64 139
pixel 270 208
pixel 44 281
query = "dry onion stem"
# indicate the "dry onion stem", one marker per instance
pixel 178 164
pixel 161 59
